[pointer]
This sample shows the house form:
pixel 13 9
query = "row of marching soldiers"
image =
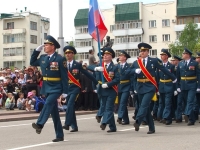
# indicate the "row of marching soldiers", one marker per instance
pixel 163 90
pixel 147 77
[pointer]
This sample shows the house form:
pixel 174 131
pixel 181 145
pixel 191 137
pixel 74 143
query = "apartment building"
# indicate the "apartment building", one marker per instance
pixel 21 33
pixel 128 24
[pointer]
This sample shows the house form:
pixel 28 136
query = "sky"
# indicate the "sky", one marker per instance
pixel 49 9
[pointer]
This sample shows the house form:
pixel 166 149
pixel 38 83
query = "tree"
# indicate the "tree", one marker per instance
pixel 189 38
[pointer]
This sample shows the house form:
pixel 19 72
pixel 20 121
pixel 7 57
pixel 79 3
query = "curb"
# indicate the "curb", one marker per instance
pixel 32 115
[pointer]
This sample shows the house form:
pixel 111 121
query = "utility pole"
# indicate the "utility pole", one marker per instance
pixel 61 38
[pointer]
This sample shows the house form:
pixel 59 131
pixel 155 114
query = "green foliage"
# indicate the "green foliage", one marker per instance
pixel 189 38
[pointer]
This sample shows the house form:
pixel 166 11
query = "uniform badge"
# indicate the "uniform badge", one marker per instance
pixel 111 74
pixel 199 66
pixel 54 66
pixel 191 67
pixel 159 63
pixel 75 71
pixel 65 64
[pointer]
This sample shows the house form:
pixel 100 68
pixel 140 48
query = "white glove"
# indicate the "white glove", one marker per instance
pixel 174 81
pixel 98 69
pixel 198 89
pixel 131 92
pixel 64 95
pixel 138 71
pixel 132 95
pixel 135 91
pixel 175 93
pixel 95 91
pixel 179 90
pixel 15 93
pixel 104 86
pixel 158 93
pixel 39 48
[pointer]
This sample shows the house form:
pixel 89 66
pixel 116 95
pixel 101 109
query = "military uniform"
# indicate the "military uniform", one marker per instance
pixel 123 91
pixel 108 94
pixel 145 88
pixel 188 73
pixel 166 89
pixel 55 82
pixel 73 89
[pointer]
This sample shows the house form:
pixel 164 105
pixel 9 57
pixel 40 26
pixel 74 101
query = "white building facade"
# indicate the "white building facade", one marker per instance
pixel 158 24
pixel 21 33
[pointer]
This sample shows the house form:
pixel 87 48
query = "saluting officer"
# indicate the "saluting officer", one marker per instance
pixel 55 82
pixel 188 75
pixel 108 89
pixel 145 68
pixel 123 88
pixel 74 69
pixel 166 89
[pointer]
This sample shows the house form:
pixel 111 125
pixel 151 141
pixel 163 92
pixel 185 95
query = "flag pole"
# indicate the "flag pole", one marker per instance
pixel 99 49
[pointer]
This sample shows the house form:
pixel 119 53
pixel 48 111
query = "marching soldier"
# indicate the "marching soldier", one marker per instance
pixel 175 60
pixel 146 87
pixel 55 82
pixel 123 88
pixel 74 69
pixel 166 89
pixel 108 90
pixel 188 73
pixel 198 93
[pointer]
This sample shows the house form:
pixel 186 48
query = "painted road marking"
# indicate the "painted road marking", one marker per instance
pixel 35 145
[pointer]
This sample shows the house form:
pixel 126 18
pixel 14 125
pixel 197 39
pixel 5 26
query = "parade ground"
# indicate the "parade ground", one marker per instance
pixel 19 135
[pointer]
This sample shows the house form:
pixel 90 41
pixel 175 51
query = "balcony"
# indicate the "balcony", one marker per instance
pixel 20 44
pixel 83 49
pixel 180 27
pixel 82 36
pixel 13 31
pixel 121 46
pixel 123 32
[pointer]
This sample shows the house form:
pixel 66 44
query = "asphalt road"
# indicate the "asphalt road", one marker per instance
pixel 19 135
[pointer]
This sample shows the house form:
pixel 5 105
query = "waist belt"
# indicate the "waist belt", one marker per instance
pixel 188 78
pixel 101 82
pixel 165 81
pixel 144 80
pixel 71 81
pixel 124 81
pixel 51 79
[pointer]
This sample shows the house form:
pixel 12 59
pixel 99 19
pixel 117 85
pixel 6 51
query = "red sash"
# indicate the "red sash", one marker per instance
pixel 71 77
pixel 147 74
pixel 105 74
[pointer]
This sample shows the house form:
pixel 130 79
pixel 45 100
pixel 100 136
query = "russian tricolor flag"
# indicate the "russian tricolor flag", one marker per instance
pixel 95 20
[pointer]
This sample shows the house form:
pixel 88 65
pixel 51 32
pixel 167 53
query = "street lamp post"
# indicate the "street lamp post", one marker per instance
pixel 61 38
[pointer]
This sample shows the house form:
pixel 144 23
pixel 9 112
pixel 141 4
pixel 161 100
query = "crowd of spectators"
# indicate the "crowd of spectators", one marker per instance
pixel 20 89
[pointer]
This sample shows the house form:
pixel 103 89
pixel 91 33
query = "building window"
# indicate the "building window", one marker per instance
pixel 166 37
pixel 82 56
pixel 10 25
pixel 45 36
pixel 153 52
pixel 18 64
pixel 14 38
pixel 33 39
pixel 33 25
pixel 83 43
pixel 153 38
pixel 196 19
pixel 81 30
pixel 165 22
pixel 178 34
pixel 16 51
pixel 131 52
pixel 126 25
pixel 152 23
pixel 128 39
